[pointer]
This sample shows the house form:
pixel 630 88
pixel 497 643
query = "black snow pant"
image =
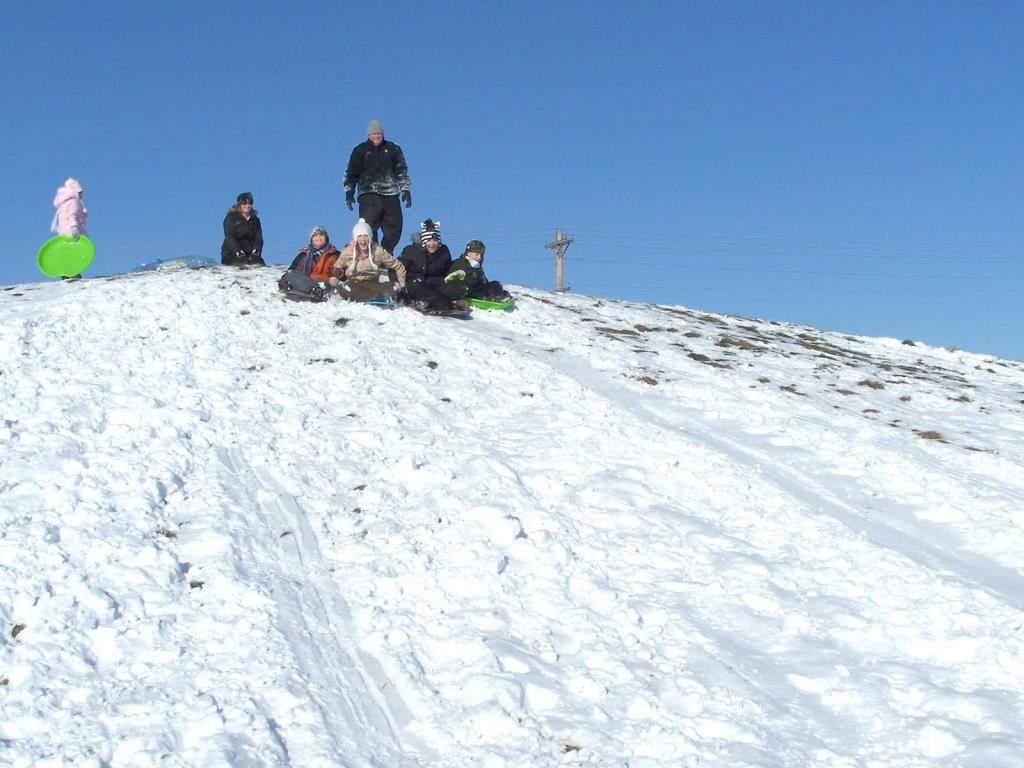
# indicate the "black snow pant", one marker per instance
pixel 242 259
pixel 431 296
pixel 383 212
pixel 489 291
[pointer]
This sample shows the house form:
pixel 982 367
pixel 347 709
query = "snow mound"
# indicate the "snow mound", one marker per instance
pixel 238 531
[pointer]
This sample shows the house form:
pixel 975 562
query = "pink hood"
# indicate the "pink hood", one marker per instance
pixel 71 214
pixel 63 195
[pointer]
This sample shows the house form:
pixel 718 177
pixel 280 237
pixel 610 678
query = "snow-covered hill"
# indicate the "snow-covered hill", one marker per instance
pixel 238 531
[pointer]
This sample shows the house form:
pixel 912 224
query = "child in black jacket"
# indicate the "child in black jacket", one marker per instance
pixel 466 278
pixel 426 266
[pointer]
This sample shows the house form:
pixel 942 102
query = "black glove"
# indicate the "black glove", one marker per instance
pixel 407 198
pixel 350 199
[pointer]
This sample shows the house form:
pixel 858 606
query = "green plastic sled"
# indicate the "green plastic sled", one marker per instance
pixel 61 256
pixel 485 304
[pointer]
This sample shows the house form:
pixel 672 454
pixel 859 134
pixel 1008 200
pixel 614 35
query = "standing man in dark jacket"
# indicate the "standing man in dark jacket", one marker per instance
pixel 243 235
pixel 379 171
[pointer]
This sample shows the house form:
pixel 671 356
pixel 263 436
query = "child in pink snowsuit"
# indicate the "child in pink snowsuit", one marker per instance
pixel 71 213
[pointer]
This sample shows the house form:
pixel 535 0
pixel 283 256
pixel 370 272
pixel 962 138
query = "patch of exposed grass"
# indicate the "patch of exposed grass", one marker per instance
pixel 615 333
pixel 828 350
pixel 707 360
pixel 677 312
pixel 733 341
pixel 712 320
pixel 653 328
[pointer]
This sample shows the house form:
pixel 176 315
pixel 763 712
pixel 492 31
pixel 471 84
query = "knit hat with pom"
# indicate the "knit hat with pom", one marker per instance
pixel 362 228
pixel 73 185
pixel 430 230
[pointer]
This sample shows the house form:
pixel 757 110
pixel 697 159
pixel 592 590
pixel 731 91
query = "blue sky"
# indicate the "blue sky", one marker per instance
pixel 851 165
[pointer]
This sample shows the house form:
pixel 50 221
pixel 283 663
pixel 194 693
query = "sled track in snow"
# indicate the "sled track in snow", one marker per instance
pixel 363 712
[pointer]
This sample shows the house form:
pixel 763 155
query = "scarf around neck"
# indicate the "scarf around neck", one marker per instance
pixel 313 255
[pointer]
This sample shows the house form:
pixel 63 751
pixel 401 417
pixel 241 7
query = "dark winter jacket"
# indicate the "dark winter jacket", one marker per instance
pixel 380 170
pixel 474 277
pixel 421 265
pixel 472 283
pixel 241 234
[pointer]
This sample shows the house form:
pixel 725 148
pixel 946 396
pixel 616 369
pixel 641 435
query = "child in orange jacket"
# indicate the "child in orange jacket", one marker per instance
pixel 313 269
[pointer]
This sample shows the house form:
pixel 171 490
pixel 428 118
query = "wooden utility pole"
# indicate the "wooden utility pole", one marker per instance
pixel 559 246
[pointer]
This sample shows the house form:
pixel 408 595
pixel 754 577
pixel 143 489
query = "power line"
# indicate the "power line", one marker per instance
pixel 536 233
pixel 803 252
pixel 778 270
pixel 799 243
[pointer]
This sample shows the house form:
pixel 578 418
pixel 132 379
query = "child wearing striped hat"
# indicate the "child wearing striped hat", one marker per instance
pixel 426 265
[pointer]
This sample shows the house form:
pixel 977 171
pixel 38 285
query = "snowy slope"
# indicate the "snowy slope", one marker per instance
pixel 238 531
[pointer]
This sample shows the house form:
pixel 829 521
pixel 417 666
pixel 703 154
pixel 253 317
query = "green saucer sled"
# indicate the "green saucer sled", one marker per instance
pixel 484 304
pixel 61 256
